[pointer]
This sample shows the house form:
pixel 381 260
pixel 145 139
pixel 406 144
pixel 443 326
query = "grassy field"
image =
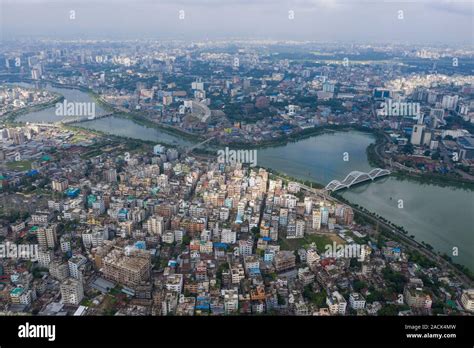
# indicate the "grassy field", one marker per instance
pixel 19 165
pixel 320 240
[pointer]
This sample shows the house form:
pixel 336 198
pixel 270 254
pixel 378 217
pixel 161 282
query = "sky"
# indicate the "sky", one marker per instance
pixel 409 21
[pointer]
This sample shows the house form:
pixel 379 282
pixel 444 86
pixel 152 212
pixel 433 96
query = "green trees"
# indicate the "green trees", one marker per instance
pixel 389 310
pixel 318 298
pixel 395 280
pixel 359 285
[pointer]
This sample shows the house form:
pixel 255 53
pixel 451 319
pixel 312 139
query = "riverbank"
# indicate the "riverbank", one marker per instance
pixel 288 178
pixel 375 160
pixel 116 137
pixel 10 117
pixel 295 137
pixel 141 120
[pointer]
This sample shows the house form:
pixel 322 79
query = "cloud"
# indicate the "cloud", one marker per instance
pixel 463 8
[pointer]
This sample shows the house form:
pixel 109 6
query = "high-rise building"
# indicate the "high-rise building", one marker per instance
pixel 110 175
pixel 450 102
pixel 312 257
pixel 59 270
pixel 300 228
pixel 59 185
pixel 75 264
pixel 44 258
pixel 417 134
pixel 336 303
pixel 308 205
pixel 284 260
pixel 47 236
pixel 426 138
pixel 324 215
pixel 432 97
pixel 72 291
pixel 155 225
pixel 316 220
pixel 328 87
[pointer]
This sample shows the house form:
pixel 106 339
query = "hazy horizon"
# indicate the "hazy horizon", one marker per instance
pixel 423 21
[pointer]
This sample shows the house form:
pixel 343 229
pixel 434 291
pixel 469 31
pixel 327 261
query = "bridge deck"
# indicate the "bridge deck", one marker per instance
pixel 356 177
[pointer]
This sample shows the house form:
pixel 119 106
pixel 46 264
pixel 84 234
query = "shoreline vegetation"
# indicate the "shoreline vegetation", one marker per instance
pixel 141 120
pixel 11 116
pixel 301 135
pixel 423 178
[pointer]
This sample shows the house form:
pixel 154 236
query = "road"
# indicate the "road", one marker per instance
pixel 199 144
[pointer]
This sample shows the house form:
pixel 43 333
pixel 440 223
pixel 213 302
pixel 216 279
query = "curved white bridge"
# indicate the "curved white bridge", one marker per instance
pixel 356 177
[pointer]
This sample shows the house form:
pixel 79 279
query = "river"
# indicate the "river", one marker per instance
pixel 440 216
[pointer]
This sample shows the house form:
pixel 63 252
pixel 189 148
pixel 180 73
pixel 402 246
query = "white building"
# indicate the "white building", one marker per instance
pixel 312 257
pixel 316 220
pixel 155 225
pixel 174 282
pixel 245 247
pixel 168 237
pixel 450 102
pixel 59 270
pixel 300 228
pixel 228 236
pixel 356 301
pixel 336 303
pixel 417 134
pixel 308 205
pixel 72 291
pixel 231 301
pixel 65 244
pixel 467 300
pixel 44 258
pixel 75 264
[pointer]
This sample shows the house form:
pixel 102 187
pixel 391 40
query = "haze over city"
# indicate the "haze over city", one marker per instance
pixel 421 21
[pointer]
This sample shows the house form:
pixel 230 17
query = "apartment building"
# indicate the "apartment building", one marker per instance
pixel 72 291
pixel 336 303
pixel 128 267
